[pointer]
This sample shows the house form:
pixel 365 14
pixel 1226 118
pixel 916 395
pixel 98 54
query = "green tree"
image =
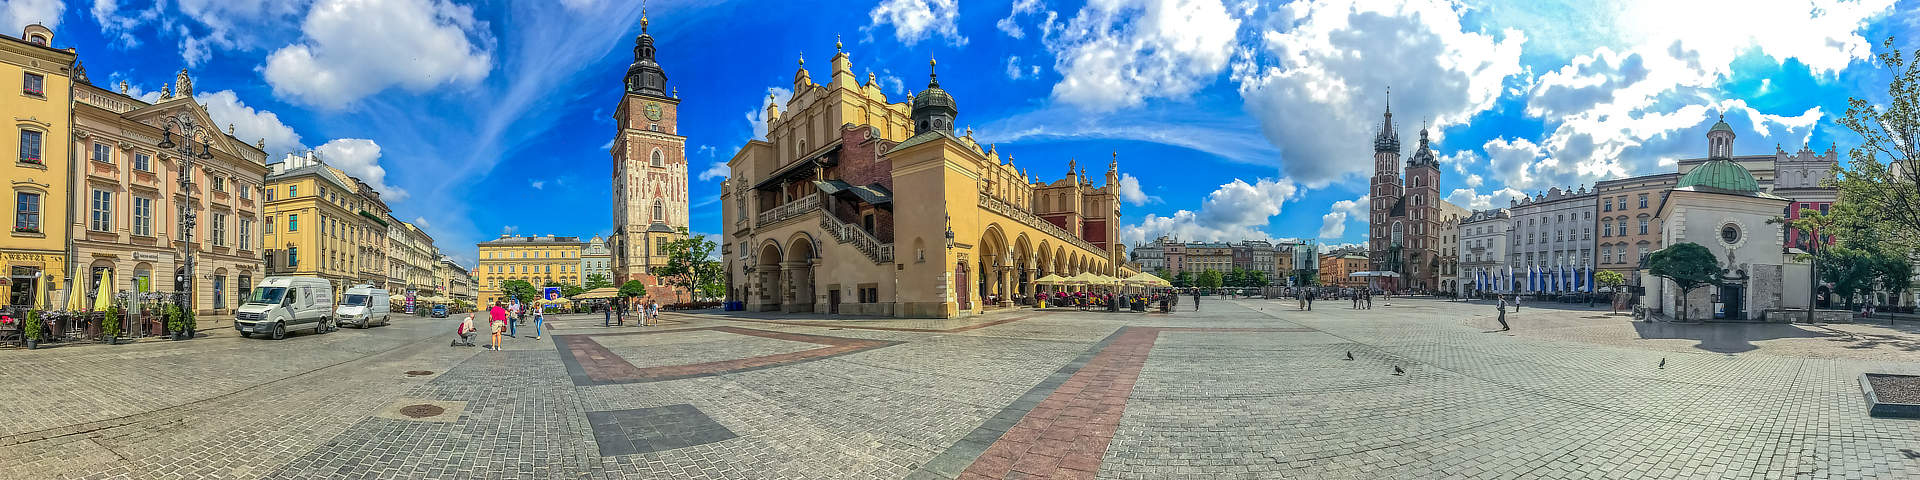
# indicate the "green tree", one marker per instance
pixel 1613 281
pixel 685 257
pixel 1689 265
pixel 1256 279
pixel 597 281
pixel 713 280
pixel 632 289
pixel 1882 176
pixel 1209 280
pixel 1164 274
pixel 519 290
pixel 1182 280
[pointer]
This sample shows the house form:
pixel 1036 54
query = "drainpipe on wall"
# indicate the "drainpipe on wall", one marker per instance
pixel 73 173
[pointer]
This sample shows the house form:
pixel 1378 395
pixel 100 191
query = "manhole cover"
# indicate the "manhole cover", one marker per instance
pixel 416 373
pixel 421 410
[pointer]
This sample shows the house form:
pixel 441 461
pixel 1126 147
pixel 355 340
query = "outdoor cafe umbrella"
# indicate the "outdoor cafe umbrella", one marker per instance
pixel 1050 279
pixel 73 293
pixel 1147 279
pixel 105 296
pixel 40 292
pixel 603 292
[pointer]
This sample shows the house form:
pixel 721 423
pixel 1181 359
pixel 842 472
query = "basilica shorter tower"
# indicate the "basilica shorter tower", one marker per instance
pixel 649 168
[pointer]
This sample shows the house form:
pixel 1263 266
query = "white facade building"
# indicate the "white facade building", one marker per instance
pixel 1484 238
pixel 1551 248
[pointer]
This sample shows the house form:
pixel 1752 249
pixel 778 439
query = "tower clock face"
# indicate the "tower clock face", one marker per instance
pixel 653 111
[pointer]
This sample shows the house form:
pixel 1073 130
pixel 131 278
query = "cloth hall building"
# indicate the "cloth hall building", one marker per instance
pixel 854 204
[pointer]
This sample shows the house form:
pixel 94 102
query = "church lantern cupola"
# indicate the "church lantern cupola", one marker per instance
pixel 933 109
pixel 1720 139
pixel 1423 155
pixel 645 76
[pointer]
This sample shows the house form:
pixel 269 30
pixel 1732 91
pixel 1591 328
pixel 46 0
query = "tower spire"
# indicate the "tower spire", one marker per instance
pixel 933 76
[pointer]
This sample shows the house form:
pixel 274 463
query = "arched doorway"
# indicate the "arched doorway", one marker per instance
pixel 798 269
pixel 767 282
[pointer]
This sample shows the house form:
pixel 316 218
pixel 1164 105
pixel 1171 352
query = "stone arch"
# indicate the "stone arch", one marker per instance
pixel 798 273
pixel 1023 273
pixel 994 264
pixel 767 289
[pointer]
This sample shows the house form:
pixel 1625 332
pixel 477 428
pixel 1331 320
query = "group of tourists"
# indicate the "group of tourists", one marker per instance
pixel 504 320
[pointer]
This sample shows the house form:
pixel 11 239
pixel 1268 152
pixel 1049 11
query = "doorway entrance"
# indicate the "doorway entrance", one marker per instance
pixel 1732 298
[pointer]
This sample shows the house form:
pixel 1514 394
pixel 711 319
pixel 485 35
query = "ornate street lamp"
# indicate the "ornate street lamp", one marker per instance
pixel 188 129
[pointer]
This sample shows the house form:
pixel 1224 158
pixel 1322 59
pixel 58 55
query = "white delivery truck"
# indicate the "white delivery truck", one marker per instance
pixel 283 304
pixel 362 306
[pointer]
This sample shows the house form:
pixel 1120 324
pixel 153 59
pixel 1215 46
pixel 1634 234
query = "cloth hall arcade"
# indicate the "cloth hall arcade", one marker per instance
pixel 857 205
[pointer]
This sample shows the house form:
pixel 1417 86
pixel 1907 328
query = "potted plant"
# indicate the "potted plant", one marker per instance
pixel 190 322
pixel 32 330
pixel 110 327
pixel 175 321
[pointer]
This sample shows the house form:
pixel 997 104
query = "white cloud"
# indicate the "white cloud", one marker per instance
pixel 1011 24
pixel 1235 211
pixel 1130 191
pixel 1632 108
pixel 429 43
pixel 201 26
pixel 718 169
pixel 15 15
pixel 1317 83
pixel 1115 54
pixel 1333 225
pixel 1013 67
pixel 915 20
pixel 758 117
pixel 1474 180
pixel 249 124
pixel 360 158
pixel 537 184
pixel 118 24
pixel 505 229
pixel 421 222
pixel 1466 197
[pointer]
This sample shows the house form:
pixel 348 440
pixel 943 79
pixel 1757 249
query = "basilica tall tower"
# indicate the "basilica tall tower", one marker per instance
pixel 649 167
pixel 1384 231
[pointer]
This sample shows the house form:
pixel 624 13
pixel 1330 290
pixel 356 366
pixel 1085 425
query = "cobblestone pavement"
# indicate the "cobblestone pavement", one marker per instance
pixel 1240 389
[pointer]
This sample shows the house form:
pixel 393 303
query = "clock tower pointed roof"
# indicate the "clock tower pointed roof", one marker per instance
pixel 644 76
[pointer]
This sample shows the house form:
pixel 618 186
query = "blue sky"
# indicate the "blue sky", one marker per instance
pixel 1232 119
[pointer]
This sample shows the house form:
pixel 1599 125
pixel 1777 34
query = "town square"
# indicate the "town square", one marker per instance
pixel 933 239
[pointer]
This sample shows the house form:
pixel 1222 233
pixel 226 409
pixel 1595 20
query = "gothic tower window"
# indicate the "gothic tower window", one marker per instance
pixel 659 159
pixel 659 211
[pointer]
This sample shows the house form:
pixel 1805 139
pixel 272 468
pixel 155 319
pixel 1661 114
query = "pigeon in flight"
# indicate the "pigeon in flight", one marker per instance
pixel 1663 362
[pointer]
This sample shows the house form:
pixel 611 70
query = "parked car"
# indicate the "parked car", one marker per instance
pixel 285 304
pixel 363 306
pixel 440 311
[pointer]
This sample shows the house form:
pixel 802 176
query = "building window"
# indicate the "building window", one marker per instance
pixel 293 191
pixel 142 162
pixel 1643 200
pixel 245 193
pixel 1643 226
pixel 659 211
pixel 658 160
pixel 219 229
pixel 246 234
pixel 102 153
pixel 293 257
pixel 219 292
pixel 33 84
pixel 293 222
pixel 26 212
pixel 143 216
pixel 1607 230
pixel 219 184
pixel 30 146
pixel 102 218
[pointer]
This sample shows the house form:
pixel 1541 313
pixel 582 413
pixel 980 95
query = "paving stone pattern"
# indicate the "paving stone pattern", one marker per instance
pixel 1240 389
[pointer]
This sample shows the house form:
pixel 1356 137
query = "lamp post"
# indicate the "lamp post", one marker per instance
pixel 189 128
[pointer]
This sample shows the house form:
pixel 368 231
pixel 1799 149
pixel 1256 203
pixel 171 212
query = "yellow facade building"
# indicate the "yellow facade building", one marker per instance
pixel 854 204
pixel 315 225
pixel 536 259
pixel 33 253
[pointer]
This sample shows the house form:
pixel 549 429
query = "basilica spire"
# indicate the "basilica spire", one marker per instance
pixel 1386 139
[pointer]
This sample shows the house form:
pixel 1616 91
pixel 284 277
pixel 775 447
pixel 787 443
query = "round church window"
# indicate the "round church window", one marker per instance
pixel 1730 233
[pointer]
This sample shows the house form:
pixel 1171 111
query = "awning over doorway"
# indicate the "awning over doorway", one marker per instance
pixel 875 194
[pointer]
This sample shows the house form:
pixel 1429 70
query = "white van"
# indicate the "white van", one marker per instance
pixel 283 304
pixel 362 306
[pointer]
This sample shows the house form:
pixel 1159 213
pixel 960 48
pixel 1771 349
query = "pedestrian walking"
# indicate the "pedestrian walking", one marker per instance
pixel 1196 300
pixel 654 312
pixel 497 320
pixel 1310 300
pixel 1369 295
pixel 539 319
pixel 513 323
pixel 1503 314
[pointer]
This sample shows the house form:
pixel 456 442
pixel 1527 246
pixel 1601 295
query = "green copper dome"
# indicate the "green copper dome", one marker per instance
pixel 1720 174
pixel 1721 126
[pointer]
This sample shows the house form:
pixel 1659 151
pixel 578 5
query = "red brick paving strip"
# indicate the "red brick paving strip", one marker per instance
pixel 1067 434
pixel 601 365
